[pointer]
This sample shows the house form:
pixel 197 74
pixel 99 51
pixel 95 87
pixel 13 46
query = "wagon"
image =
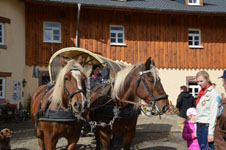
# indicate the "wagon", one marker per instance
pixel 89 59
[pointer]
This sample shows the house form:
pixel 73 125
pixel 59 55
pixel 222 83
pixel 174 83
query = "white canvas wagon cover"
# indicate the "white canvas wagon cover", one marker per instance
pixel 89 58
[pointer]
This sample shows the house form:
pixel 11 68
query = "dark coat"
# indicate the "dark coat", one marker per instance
pixel 220 129
pixel 95 81
pixel 185 101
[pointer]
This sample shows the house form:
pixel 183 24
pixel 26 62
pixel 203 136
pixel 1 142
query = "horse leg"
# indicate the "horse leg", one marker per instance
pixel 50 142
pixel 97 138
pixel 72 143
pixel 40 136
pixel 112 139
pixel 127 140
pixel 105 139
pixel 41 144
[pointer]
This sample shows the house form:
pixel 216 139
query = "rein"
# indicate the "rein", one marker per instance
pixel 141 77
pixel 127 101
pixel 152 103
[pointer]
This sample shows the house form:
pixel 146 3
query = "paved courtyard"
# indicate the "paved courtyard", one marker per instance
pixel 151 134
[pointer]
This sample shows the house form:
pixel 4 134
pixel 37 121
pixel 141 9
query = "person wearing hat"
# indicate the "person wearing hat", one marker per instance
pixel 224 80
pixel 220 129
pixel 189 131
pixel 207 108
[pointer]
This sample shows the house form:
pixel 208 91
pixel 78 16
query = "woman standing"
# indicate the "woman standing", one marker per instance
pixel 207 109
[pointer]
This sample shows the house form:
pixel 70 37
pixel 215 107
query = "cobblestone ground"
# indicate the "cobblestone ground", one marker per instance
pixel 160 135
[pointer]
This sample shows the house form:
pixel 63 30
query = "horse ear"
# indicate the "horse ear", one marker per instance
pixel 62 62
pixel 148 63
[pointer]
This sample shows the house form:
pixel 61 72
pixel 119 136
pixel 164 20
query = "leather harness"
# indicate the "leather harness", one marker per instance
pixel 58 115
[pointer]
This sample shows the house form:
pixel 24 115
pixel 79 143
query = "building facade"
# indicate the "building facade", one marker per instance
pixel 12 51
pixel 182 36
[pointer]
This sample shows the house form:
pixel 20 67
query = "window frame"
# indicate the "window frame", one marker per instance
pixel 116 31
pixel 3 87
pixel 193 87
pixel 189 81
pixel 3 33
pixel 196 4
pixel 193 40
pixel 52 35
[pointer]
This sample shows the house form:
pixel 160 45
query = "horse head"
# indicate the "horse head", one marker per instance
pixel 149 87
pixel 70 91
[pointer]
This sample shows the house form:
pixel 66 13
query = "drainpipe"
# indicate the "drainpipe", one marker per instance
pixel 78 15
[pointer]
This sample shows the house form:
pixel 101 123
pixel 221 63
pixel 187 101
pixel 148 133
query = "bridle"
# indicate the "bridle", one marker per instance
pixel 154 98
pixel 71 95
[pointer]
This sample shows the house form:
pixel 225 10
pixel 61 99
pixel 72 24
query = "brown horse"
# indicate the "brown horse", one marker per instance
pixel 131 84
pixel 56 111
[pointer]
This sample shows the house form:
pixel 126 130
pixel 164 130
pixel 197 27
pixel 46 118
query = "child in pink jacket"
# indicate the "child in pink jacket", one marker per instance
pixel 189 131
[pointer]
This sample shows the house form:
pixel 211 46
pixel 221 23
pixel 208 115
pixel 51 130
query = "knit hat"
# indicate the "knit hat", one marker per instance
pixel 191 111
pixel 224 74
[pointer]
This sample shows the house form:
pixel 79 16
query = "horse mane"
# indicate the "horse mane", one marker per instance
pixel 57 94
pixel 154 72
pixel 119 85
pixel 119 80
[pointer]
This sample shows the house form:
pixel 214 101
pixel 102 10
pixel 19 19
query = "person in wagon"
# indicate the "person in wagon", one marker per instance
pixel 80 60
pixel 95 77
pixel 220 129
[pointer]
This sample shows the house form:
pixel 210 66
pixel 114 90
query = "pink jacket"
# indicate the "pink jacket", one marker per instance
pixel 188 131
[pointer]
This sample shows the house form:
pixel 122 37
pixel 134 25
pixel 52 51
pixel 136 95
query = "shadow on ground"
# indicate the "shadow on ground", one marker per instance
pixel 148 136
pixel 21 149
pixel 153 127
pixel 159 148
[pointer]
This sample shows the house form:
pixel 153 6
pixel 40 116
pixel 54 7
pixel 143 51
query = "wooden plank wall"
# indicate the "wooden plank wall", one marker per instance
pixel 164 37
pixel 38 52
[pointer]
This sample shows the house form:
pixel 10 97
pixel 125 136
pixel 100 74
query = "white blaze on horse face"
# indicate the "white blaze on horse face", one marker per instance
pixel 77 75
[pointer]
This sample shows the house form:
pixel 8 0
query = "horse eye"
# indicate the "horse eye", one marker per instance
pixel 152 81
pixel 66 78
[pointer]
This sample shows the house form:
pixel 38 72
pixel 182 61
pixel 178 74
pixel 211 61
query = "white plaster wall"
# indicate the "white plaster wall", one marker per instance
pixel 172 79
pixel 32 83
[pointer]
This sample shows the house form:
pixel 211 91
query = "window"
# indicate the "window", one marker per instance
pixel 194 38
pixel 117 35
pixel 2 88
pixel 193 2
pixel 43 77
pixel 193 89
pixel 52 32
pixel 1 34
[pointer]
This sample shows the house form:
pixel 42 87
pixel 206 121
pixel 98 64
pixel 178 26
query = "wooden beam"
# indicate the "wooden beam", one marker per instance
pixel 5 74
pixel 4 20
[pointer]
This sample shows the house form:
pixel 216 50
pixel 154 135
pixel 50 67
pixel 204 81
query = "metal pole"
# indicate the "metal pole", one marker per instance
pixel 78 15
